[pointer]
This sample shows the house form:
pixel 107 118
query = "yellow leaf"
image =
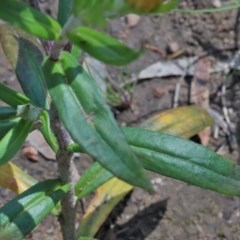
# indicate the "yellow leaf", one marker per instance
pixel 15 179
pixel 183 121
pixel 105 199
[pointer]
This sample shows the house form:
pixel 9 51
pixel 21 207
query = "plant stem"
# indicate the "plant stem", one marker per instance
pixel 66 168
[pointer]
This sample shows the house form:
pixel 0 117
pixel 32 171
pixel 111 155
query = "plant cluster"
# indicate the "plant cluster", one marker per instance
pixel 64 102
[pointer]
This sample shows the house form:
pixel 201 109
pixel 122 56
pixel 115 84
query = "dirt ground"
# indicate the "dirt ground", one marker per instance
pixel 176 211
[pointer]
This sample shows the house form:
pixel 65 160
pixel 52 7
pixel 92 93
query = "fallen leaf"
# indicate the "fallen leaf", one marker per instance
pixel 176 67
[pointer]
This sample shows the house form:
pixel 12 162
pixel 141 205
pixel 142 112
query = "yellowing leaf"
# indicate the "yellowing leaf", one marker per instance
pixel 105 199
pixel 183 121
pixel 15 179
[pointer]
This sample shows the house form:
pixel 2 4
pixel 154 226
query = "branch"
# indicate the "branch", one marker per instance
pixel 67 171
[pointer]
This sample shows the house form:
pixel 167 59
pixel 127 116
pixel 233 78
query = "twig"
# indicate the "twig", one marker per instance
pixel 177 89
pixel 219 120
pixel 232 137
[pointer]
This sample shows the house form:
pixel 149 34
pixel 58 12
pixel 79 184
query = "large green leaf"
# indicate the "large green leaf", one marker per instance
pixel 167 155
pixel 101 46
pixel 30 20
pixel 180 159
pixel 19 216
pixel 100 117
pixel 25 56
pixel 78 124
pixel 172 121
pixel 184 160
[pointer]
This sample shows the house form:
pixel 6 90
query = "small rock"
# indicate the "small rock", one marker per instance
pixel 132 20
pixel 31 153
pixel 173 47
pixel 216 3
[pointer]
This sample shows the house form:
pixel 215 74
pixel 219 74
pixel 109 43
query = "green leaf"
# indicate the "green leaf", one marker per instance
pixel 102 47
pixel 78 124
pixel 173 157
pixel 64 11
pixel 184 160
pixel 6 125
pixel 7 113
pixel 22 214
pixel 100 116
pixel 13 140
pixel 25 56
pixel 30 20
pixel 12 97
pixel 47 131
pixel 172 121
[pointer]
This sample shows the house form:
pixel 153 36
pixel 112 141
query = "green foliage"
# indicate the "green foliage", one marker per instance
pixel 25 56
pixel 94 43
pixel 82 104
pixel 13 140
pixel 60 81
pixel 30 20
pixel 12 97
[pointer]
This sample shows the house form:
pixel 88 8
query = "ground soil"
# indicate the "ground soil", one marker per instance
pixel 176 211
